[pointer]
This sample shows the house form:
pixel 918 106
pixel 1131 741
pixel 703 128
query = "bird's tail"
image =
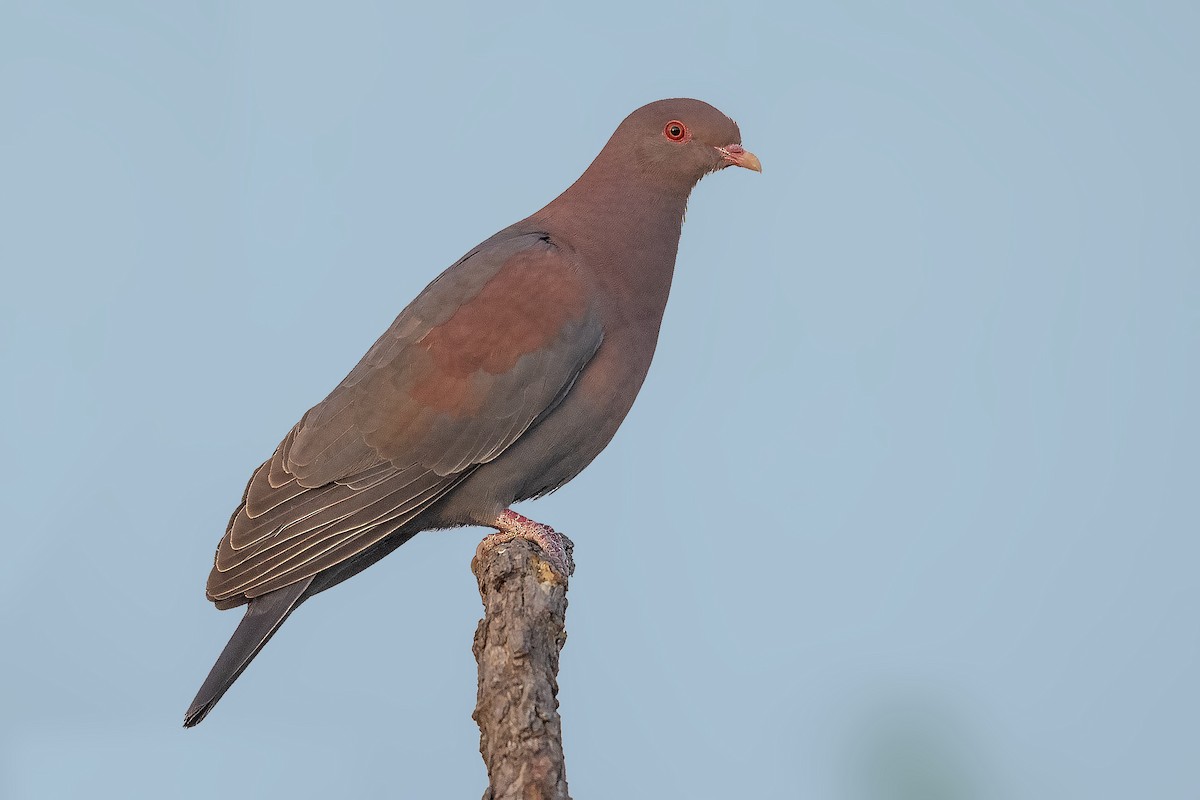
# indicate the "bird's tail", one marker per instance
pixel 263 617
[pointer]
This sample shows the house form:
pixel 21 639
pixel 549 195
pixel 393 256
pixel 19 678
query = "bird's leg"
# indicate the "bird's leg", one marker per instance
pixel 511 525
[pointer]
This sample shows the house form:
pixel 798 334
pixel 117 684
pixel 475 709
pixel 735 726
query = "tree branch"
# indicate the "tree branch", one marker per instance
pixel 516 646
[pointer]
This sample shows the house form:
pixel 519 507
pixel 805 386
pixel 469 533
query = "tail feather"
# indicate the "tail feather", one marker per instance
pixel 263 617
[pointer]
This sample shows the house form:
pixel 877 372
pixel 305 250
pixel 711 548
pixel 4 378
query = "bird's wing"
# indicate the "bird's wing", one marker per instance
pixel 485 350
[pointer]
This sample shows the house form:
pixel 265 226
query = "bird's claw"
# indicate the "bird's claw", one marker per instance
pixel 557 548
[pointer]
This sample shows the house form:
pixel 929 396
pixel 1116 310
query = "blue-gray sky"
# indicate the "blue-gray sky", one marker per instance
pixel 907 507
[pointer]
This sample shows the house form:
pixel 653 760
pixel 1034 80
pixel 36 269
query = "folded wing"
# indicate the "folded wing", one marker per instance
pixel 488 348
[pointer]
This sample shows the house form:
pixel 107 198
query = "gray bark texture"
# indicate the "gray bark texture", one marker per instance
pixel 517 645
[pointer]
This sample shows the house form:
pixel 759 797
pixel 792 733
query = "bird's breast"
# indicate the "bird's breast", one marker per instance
pixel 567 439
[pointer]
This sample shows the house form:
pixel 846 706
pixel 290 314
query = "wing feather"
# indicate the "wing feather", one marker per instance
pixel 482 354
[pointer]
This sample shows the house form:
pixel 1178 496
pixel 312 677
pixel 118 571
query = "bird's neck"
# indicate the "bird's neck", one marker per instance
pixel 627 231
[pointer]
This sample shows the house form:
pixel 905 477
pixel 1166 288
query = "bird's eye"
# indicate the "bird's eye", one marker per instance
pixel 676 131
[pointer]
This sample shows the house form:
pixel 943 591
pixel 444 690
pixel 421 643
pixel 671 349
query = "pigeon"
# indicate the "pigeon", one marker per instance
pixel 500 382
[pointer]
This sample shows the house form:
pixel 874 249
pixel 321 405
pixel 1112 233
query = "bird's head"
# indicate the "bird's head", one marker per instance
pixel 680 141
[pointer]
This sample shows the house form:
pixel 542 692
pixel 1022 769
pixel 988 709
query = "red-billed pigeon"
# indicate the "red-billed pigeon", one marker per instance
pixel 499 383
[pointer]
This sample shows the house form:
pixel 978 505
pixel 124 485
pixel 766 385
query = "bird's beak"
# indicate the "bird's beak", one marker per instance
pixel 738 156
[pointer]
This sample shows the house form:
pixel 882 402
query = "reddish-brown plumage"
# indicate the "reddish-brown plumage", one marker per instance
pixel 524 314
pixel 501 381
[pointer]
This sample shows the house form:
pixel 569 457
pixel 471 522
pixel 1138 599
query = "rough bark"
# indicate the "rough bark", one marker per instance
pixel 517 645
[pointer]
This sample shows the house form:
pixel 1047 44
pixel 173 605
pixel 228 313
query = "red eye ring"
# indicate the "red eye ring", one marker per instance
pixel 676 131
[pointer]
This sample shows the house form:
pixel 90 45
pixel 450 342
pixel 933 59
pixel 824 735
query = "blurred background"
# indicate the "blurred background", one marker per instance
pixel 907 507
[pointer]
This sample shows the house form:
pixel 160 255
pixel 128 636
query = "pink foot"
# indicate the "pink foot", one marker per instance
pixel 557 547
